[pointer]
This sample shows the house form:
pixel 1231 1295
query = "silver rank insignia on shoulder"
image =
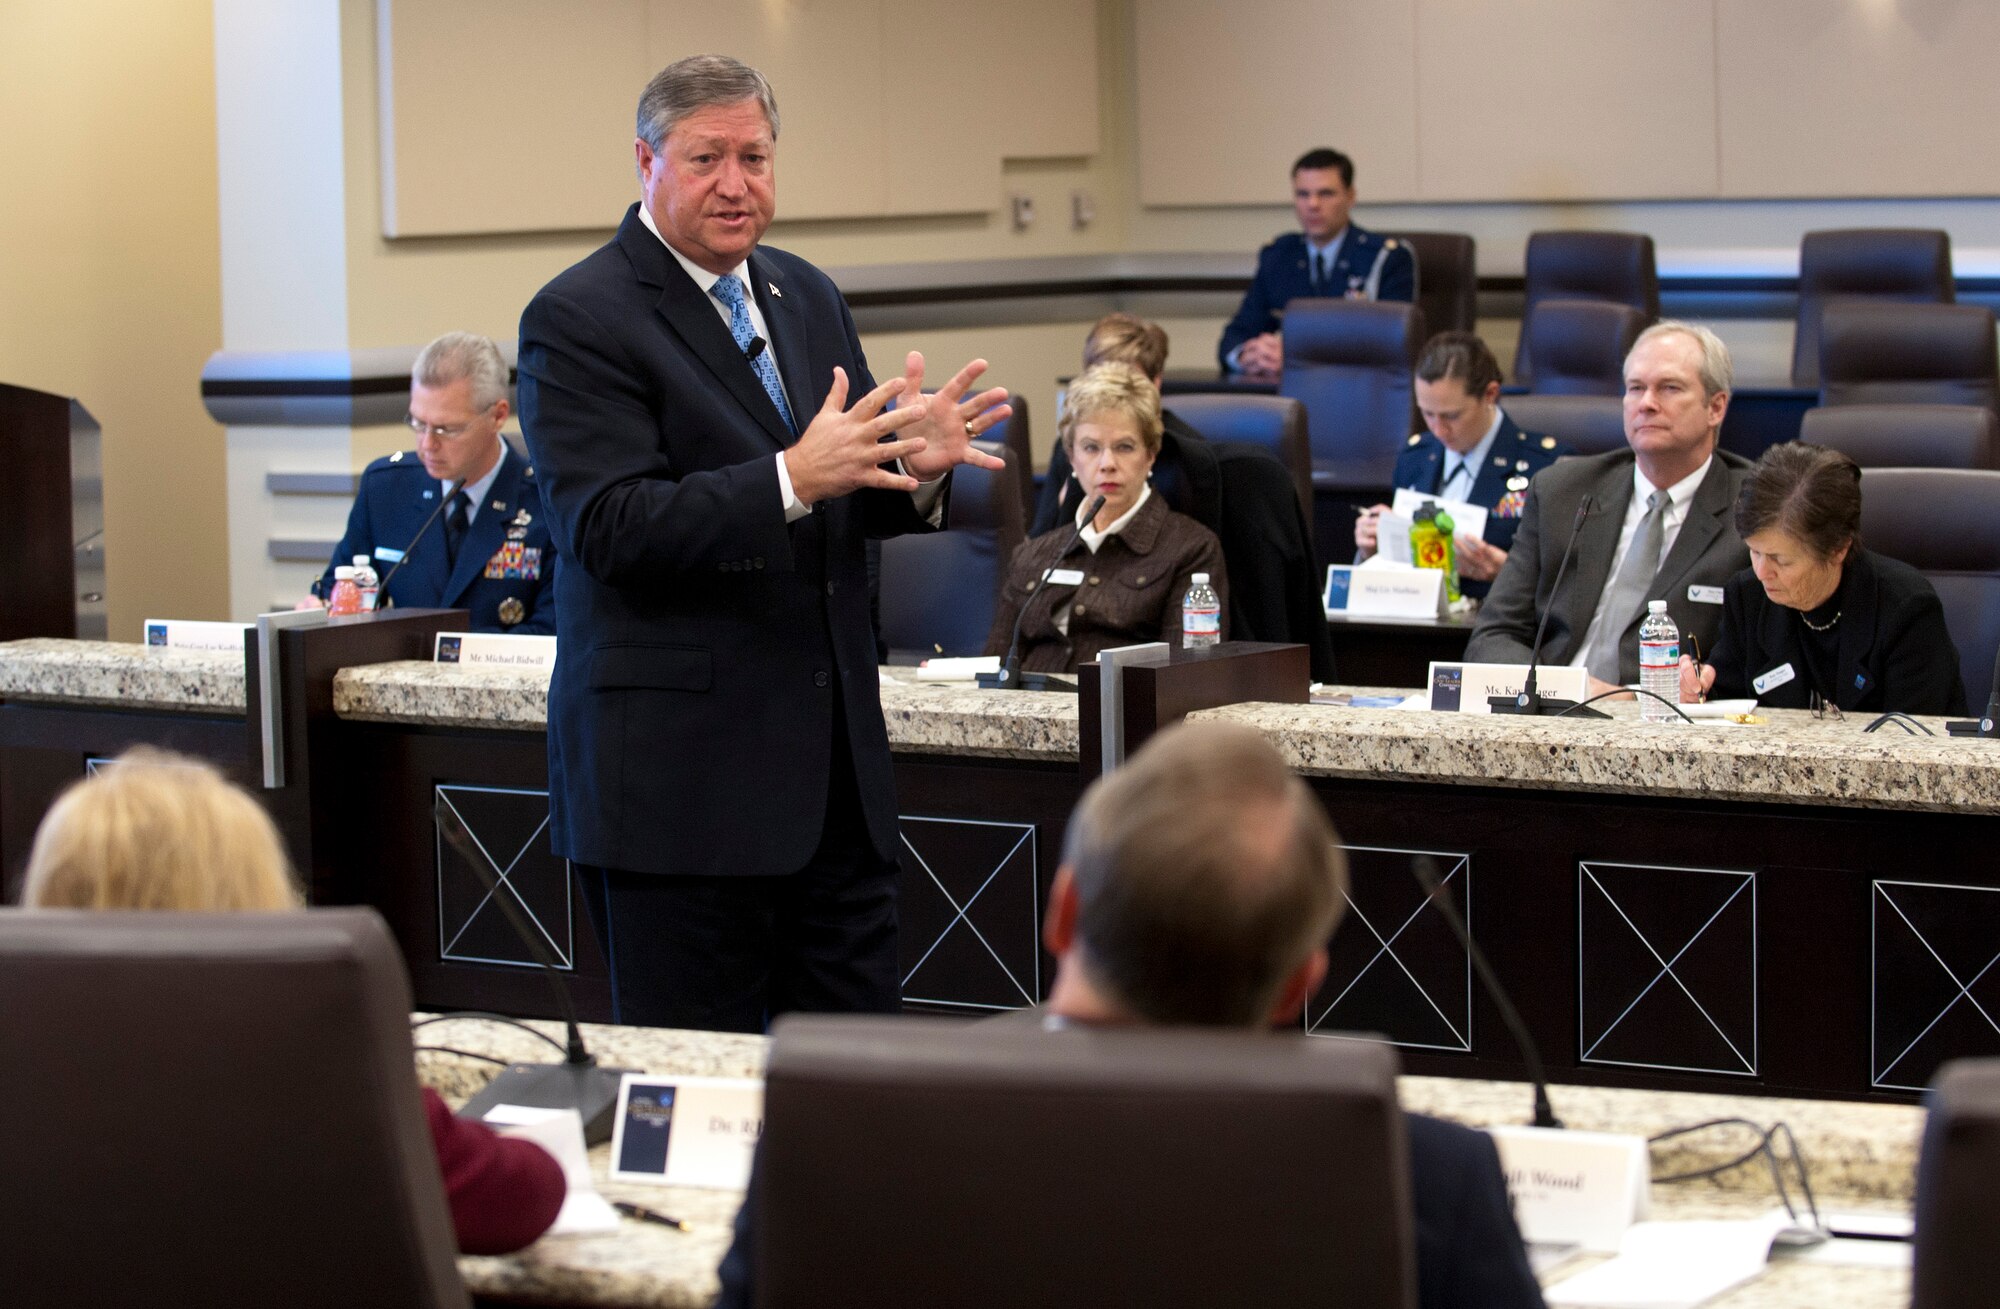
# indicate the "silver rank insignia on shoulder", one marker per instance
pixel 396 458
pixel 1548 443
pixel 512 611
pixel 1417 439
pixel 1517 483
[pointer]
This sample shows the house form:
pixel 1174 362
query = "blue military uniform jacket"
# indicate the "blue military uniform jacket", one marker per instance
pixel 1367 267
pixel 1500 486
pixel 506 567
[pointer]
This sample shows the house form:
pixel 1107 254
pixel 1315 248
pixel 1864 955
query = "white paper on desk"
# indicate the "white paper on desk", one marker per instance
pixel 560 1132
pixel 1673 1265
pixel 1392 540
pixel 1466 519
pixel 957 669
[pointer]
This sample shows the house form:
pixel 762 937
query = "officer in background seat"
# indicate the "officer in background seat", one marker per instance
pixel 488 550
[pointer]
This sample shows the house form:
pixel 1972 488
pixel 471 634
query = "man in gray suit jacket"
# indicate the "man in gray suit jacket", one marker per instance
pixel 1655 523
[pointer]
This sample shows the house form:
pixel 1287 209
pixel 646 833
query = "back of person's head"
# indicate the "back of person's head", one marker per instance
pixel 1460 355
pixel 156 830
pixel 456 356
pixel 1127 339
pixel 1206 874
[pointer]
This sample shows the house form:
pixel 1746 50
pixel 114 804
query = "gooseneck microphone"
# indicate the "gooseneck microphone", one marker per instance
pixel 1010 677
pixel 1425 870
pixel 1988 723
pixel 446 491
pixel 1528 700
pixel 575 1083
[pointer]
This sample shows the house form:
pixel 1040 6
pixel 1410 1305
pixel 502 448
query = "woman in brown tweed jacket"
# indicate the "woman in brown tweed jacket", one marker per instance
pixel 1123 581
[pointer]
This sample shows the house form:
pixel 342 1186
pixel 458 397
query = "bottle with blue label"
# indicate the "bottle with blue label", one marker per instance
pixel 1659 663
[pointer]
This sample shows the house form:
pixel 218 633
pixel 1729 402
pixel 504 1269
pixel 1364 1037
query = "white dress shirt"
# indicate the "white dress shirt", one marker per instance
pixel 1679 496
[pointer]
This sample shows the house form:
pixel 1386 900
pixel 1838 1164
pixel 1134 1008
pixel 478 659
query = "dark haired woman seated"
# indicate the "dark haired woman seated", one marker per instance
pixel 1817 614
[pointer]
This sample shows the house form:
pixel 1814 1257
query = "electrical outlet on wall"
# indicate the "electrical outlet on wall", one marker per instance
pixel 1082 209
pixel 1023 207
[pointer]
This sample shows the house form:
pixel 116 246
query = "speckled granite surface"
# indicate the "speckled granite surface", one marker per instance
pixel 922 718
pixel 1862 1158
pixel 1791 758
pixel 129 676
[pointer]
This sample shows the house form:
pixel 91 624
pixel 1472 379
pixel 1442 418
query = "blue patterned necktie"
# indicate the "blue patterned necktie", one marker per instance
pixel 729 290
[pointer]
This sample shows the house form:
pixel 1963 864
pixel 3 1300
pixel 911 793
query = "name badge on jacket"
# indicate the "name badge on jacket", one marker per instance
pixel 1705 595
pixel 1775 678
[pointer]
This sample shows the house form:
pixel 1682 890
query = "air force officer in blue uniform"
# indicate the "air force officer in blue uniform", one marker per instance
pixel 1473 452
pixel 489 550
pixel 1328 257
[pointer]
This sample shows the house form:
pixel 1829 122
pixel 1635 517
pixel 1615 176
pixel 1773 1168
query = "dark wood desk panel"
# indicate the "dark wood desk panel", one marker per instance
pixel 1385 652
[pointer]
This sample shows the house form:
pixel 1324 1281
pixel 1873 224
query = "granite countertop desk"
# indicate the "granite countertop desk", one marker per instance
pixel 122 675
pixel 1792 758
pixel 1863 1158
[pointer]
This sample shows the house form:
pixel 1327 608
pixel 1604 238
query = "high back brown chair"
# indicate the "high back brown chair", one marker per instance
pixel 1873 263
pixel 1593 424
pixel 1012 432
pixel 1879 352
pixel 939 589
pixel 1907 436
pixel 1945 523
pixel 214 1109
pixel 1580 346
pixel 1957 1223
pixel 1351 363
pixel 1614 266
pixel 1273 423
pixel 924 1163
pixel 1447 278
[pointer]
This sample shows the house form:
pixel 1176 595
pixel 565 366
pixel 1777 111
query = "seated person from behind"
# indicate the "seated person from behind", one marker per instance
pixel 489 550
pixel 1123 581
pixel 1329 257
pixel 1185 473
pixel 1473 453
pixel 1817 615
pixel 1199 886
pixel 1656 523
pixel 156 831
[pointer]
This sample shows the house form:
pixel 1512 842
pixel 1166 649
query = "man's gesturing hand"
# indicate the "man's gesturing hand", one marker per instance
pixel 842 448
pixel 948 423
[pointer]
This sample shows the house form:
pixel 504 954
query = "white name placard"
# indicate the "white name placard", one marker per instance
pixel 1387 590
pixel 186 634
pixel 1463 688
pixel 687 1131
pixel 1574 1188
pixel 495 650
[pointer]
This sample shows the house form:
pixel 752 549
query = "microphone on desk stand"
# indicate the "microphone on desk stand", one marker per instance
pixel 1988 723
pixel 446 490
pixel 1010 677
pixel 1528 700
pixel 1424 868
pixel 575 1083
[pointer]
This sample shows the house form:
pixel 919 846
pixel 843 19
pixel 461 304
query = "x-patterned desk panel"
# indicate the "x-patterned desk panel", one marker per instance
pixel 1935 993
pixel 1394 966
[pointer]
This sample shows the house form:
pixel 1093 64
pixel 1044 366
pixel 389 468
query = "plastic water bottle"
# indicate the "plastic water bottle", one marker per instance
pixel 367 583
pixel 346 597
pixel 1201 615
pixel 1659 663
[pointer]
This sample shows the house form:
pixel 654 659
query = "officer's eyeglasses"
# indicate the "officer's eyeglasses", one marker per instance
pixel 437 433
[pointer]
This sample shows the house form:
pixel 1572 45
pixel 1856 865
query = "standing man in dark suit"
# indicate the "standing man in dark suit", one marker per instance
pixel 488 551
pixel 718 765
pixel 1199 886
pixel 1658 524
pixel 1473 453
pixel 1328 257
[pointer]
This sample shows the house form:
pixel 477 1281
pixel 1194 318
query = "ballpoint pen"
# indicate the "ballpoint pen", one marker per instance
pixel 645 1215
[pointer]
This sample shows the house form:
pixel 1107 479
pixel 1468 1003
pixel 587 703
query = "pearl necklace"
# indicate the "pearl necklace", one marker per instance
pixel 1829 622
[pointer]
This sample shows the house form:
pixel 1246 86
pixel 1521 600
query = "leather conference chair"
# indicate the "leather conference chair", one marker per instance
pixel 1878 352
pixel 1907 436
pixel 214 1109
pixel 1945 523
pixel 1614 266
pixel 1274 423
pixel 1594 424
pixel 1447 278
pixel 1874 263
pixel 1957 1223
pixel 1580 346
pixel 939 589
pixel 1012 432
pixel 915 1162
pixel 1350 363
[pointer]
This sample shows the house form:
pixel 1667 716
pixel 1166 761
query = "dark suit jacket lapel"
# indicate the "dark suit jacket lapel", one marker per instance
pixel 1858 617
pixel 1591 567
pixel 488 529
pixel 791 342
pixel 1699 530
pixel 694 317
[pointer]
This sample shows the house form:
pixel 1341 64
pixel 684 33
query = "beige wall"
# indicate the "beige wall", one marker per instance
pixel 109 272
